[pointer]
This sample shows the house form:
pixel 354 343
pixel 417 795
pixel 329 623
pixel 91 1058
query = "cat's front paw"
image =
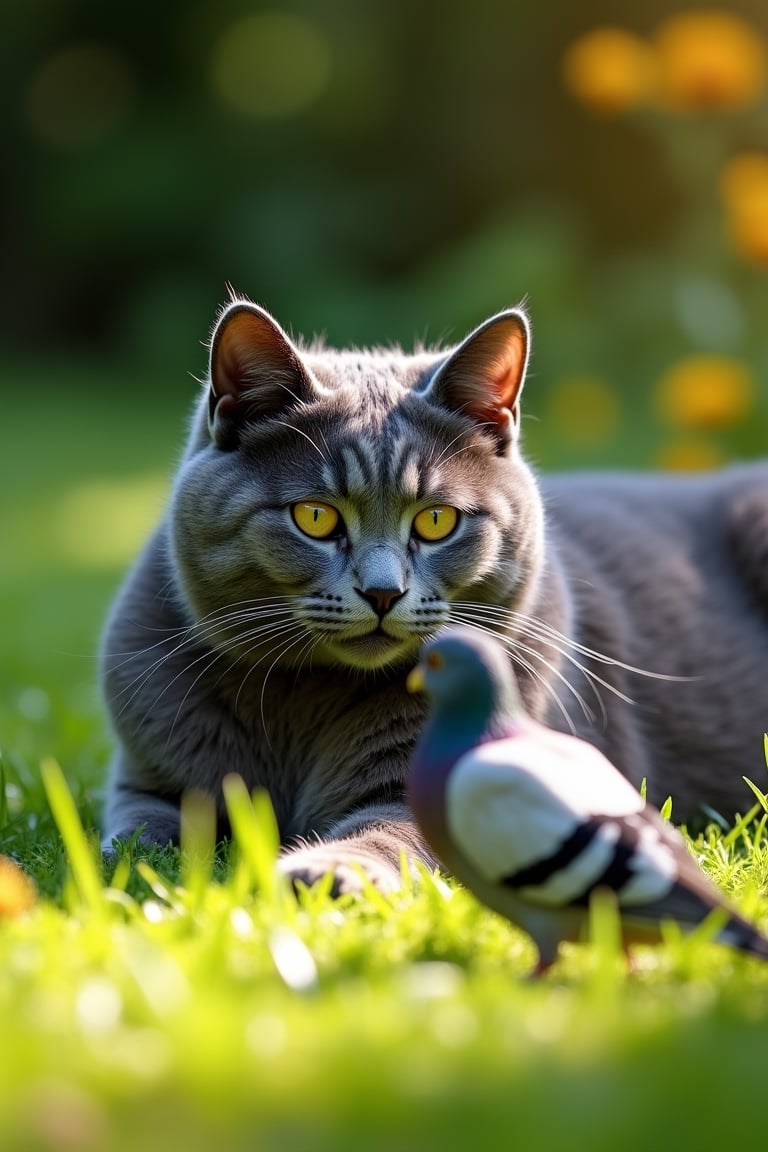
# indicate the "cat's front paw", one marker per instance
pixel 157 834
pixel 350 867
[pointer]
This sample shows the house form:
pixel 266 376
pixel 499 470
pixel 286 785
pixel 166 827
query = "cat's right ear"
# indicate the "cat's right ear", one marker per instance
pixel 484 376
pixel 255 371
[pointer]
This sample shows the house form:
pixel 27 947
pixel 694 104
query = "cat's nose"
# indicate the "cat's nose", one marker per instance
pixel 381 599
pixel 380 577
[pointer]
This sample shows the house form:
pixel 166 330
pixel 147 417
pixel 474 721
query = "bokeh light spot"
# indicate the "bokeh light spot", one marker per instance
pixel 688 454
pixel 742 174
pixel 744 191
pixel 270 65
pixel 710 60
pixel 17 892
pixel 609 69
pixel 98 1005
pixel 705 392
pixel 79 95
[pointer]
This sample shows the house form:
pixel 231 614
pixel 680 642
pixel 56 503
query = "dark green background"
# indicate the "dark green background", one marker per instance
pixel 436 172
pixel 439 173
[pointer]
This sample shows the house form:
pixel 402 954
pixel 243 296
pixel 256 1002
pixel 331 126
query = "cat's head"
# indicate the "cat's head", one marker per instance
pixel 337 507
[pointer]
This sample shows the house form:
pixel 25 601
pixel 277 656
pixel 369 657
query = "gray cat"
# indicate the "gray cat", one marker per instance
pixel 331 511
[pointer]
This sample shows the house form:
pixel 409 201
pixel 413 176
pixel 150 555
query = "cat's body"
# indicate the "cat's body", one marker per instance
pixel 332 510
pixel 669 574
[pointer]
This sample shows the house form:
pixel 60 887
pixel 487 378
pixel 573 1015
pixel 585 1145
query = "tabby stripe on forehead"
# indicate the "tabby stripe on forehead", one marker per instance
pixel 350 471
pixel 356 470
pixel 406 472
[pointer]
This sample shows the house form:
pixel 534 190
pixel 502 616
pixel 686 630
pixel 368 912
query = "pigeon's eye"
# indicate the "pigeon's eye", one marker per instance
pixel 435 523
pixel 316 519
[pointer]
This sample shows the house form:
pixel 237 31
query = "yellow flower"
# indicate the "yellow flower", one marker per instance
pixel 709 59
pixel 609 69
pixel 744 191
pixel 584 409
pixel 688 455
pixel 705 392
pixel 17 892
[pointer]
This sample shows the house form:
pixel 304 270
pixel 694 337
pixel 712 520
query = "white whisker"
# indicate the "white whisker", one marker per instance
pixel 547 629
pixel 591 676
pixel 299 432
pixel 261 634
pixel 287 648
pixel 195 634
pixel 516 649
pixel 436 463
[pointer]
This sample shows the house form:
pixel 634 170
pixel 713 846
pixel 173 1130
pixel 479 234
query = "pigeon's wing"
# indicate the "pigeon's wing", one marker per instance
pixel 555 823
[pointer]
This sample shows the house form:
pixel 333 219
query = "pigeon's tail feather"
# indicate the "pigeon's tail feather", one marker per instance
pixel 740 935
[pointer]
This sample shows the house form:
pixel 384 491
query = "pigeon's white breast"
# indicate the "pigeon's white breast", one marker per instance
pixel 512 802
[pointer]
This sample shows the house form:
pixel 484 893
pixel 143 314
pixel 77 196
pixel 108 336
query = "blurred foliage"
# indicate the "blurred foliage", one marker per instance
pixel 373 172
pixel 378 172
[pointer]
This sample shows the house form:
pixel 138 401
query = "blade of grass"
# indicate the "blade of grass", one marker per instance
pixel 741 825
pixel 762 797
pixel 86 874
pixel 685 944
pixel 162 888
pixel 198 842
pixel 605 937
pixel 255 834
pixel 715 817
pixel 758 835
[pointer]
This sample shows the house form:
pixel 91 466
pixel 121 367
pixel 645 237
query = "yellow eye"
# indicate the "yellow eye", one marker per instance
pixel 316 519
pixel 435 523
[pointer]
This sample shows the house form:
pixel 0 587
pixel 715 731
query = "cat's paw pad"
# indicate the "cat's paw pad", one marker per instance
pixel 351 868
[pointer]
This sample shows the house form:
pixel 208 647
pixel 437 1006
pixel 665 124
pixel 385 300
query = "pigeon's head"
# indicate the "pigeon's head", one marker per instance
pixel 462 666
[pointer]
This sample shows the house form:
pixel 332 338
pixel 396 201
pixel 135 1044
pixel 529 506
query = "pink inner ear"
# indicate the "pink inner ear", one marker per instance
pixel 485 376
pixel 508 375
pixel 230 367
pixel 247 346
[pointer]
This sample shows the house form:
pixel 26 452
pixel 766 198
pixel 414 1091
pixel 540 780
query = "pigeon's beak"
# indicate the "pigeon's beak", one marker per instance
pixel 415 679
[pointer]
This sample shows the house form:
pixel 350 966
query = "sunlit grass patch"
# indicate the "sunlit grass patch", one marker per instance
pixel 104 523
pixel 189 998
pixel 195 997
pixel 100 523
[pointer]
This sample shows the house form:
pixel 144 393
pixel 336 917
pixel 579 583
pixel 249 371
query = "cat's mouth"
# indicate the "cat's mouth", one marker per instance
pixel 374 649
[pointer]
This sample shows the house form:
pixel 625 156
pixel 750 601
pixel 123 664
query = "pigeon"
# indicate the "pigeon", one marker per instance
pixel 535 821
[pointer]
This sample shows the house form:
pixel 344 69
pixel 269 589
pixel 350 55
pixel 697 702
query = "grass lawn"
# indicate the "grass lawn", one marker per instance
pixel 190 1002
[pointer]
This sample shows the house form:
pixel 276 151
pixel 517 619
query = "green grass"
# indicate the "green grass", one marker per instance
pixel 190 1001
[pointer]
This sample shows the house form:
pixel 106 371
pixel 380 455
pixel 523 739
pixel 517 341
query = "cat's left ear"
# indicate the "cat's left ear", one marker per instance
pixel 483 377
pixel 255 371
